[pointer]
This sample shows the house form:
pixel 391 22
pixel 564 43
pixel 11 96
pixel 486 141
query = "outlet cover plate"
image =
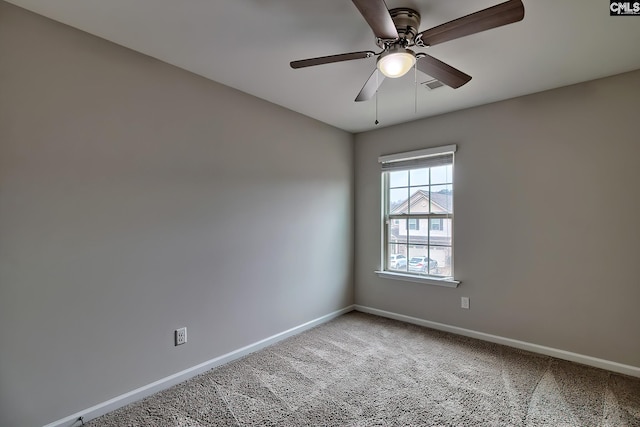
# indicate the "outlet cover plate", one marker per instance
pixel 181 336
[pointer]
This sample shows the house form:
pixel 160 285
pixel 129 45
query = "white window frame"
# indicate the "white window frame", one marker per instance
pixel 385 220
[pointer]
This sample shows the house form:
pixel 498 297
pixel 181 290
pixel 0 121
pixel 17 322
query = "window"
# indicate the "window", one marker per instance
pixel 418 213
pixel 436 224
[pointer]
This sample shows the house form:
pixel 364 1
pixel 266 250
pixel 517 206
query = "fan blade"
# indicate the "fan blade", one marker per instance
pixel 445 73
pixel 371 86
pixel 495 16
pixel 377 15
pixel 331 58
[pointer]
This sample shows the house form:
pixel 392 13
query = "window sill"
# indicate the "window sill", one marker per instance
pixel 448 283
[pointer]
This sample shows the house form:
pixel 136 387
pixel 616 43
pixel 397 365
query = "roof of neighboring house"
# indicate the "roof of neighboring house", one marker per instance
pixel 439 201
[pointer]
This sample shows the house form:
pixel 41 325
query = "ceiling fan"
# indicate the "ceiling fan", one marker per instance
pixel 396 30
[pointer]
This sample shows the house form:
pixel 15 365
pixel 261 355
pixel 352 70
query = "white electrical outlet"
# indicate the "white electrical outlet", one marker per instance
pixel 464 302
pixel 181 336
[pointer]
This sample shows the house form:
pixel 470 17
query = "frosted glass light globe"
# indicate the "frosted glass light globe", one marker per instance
pixel 396 62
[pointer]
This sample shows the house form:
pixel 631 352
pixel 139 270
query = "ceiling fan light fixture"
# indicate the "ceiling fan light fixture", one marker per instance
pixel 396 62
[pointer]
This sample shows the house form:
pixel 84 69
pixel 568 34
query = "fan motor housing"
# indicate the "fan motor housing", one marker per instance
pixel 407 22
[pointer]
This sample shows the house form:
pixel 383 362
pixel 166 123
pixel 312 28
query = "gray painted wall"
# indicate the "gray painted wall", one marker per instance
pixel 137 198
pixel 546 219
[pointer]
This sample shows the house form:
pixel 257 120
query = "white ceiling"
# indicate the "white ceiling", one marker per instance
pixel 248 44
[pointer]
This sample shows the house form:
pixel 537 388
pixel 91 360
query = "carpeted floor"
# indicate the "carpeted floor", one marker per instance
pixel 364 370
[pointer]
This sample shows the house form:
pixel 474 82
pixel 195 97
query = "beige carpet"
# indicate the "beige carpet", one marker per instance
pixel 363 370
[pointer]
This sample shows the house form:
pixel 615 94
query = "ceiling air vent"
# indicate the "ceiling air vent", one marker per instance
pixel 433 84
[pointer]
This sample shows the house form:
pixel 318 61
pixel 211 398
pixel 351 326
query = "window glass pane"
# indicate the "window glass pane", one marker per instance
pixel 397 258
pixel 419 262
pixel 419 200
pixel 442 198
pixel 431 265
pixel 418 231
pixel 440 232
pixel 397 232
pixel 419 176
pixel 416 251
pixel 441 255
pixel 442 175
pixel 398 179
pixel 398 200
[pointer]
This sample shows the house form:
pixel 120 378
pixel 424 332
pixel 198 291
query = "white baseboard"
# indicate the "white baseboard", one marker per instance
pixel 535 348
pixel 164 383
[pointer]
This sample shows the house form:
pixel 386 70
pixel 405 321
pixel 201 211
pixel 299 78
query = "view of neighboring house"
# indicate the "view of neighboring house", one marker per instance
pixel 427 232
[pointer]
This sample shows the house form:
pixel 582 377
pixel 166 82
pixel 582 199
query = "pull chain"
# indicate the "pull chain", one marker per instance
pixel 415 96
pixel 377 86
